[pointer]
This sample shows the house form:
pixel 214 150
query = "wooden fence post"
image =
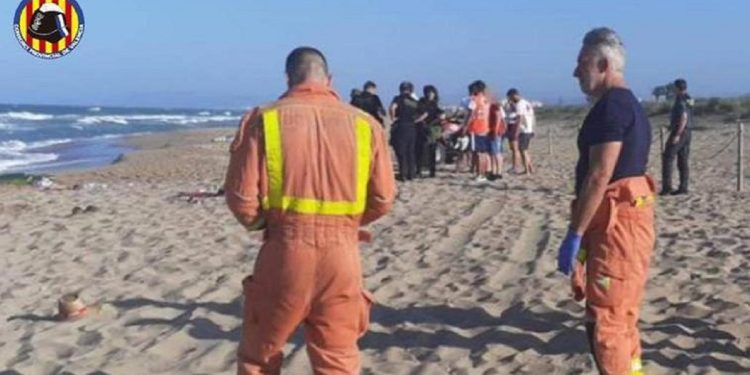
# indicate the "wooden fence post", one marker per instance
pixel 549 138
pixel 740 154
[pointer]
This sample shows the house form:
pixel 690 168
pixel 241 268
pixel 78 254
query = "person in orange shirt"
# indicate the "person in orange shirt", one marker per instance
pixel 478 128
pixel 497 131
pixel 309 171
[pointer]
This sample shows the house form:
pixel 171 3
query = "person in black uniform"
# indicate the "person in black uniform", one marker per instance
pixel 403 111
pixel 369 101
pixel 355 96
pixel 428 127
pixel 678 143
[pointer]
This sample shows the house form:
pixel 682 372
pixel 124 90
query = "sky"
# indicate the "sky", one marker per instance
pixel 230 54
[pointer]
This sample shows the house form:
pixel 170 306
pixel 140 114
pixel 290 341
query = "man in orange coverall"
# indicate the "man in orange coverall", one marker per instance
pixel 613 214
pixel 309 170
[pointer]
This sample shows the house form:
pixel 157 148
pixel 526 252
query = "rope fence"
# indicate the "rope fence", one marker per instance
pixel 738 136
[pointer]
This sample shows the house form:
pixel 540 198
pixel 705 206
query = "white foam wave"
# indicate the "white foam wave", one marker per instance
pixel 16 153
pixel 51 142
pixel 206 119
pixel 26 116
pixel 12 159
pixel 93 120
pixel 165 119
pixel 204 113
pixel 95 109
pixel 15 145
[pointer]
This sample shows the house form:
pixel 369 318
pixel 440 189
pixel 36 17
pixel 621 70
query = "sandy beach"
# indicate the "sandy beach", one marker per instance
pixel 464 273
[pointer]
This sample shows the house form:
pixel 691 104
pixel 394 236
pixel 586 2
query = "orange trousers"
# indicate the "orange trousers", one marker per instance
pixel 311 275
pixel 618 244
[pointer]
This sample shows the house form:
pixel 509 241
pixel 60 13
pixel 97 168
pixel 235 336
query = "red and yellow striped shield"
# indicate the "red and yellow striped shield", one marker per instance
pixel 49 28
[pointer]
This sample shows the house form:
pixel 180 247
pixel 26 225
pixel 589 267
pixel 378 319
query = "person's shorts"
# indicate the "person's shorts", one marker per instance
pixel 524 140
pixel 480 143
pixel 512 132
pixel 496 146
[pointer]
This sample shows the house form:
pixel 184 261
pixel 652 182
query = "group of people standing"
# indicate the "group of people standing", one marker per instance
pixel 489 122
pixel 419 124
pixel 415 128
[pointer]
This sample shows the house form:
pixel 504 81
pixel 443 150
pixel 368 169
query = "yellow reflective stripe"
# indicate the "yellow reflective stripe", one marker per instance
pixel 643 201
pixel 636 367
pixel 274 159
pixel 275 168
pixel 315 207
pixel 364 153
pixel 582 255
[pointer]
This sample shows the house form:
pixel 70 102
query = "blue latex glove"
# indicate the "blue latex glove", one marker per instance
pixel 568 252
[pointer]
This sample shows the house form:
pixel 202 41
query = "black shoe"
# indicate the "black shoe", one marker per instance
pixel 666 192
pixel 680 192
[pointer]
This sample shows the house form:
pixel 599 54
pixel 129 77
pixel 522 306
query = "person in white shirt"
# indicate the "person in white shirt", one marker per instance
pixel 526 121
pixel 513 132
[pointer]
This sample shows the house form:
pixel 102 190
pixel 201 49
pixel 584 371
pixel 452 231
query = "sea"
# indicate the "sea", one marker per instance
pixel 41 139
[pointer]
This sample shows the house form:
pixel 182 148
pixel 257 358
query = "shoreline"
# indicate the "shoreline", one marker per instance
pixel 81 156
pixel 145 147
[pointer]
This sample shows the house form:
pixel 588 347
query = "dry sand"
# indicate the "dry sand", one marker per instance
pixel 464 273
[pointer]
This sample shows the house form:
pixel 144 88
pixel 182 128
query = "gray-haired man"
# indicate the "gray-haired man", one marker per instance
pixel 613 212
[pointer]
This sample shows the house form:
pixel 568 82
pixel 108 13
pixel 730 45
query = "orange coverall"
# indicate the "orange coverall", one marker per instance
pixel 618 246
pixel 309 169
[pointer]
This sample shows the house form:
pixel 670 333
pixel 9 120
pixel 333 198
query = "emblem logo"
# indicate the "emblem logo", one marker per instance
pixel 49 29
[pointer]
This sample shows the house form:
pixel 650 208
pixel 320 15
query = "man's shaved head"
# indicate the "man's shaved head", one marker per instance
pixel 306 63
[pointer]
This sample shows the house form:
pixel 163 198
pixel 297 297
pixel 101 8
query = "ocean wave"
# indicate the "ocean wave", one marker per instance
pixel 165 119
pixel 26 116
pixel 207 119
pixel 47 143
pixel 15 145
pixel 93 120
pixel 12 159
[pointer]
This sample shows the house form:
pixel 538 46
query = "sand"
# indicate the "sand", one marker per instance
pixel 464 273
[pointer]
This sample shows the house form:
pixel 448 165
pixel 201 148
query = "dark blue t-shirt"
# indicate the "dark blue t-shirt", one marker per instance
pixel 681 106
pixel 616 117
